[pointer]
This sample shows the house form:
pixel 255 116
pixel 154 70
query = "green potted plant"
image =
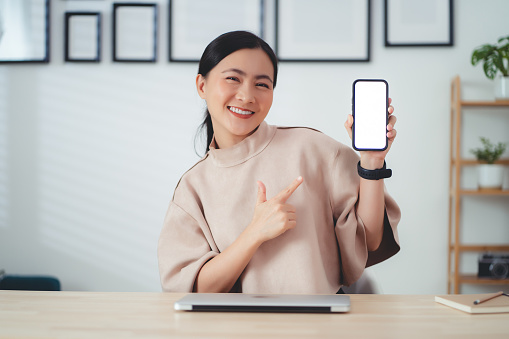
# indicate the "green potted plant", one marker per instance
pixel 495 60
pixel 490 175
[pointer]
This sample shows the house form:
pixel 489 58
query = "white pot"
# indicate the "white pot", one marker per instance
pixel 501 88
pixel 490 176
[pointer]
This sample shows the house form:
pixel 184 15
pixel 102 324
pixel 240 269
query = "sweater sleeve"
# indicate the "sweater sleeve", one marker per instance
pixel 183 249
pixel 349 228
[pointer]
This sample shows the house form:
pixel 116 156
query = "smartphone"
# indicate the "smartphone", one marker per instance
pixel 370 102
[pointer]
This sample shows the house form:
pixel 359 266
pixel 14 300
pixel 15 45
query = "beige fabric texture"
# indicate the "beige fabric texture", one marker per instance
pixel 214 202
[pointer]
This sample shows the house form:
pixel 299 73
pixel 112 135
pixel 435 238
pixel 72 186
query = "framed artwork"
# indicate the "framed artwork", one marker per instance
pixel 135 32
pixel 24 31
pixel 82 37
pixel 323 30
pixel 194 27
pixel 418 23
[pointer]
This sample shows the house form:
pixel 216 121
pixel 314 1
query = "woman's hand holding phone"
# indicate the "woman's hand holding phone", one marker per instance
pixel 371 125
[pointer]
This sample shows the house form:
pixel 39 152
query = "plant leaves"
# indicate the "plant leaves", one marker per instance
pixel 489 152
pixel 495 58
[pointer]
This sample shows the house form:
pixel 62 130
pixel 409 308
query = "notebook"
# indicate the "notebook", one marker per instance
pixel 465 303
pixel 239 302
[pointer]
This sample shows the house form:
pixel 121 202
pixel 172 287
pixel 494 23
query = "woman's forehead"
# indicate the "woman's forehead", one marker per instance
pixel 249 61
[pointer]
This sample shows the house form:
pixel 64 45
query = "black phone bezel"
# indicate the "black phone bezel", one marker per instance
pixel 386 114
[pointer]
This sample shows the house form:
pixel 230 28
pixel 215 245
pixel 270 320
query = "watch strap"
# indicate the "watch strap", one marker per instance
pixel 376 174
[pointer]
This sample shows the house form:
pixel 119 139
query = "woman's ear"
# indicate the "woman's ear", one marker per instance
pixel 200 86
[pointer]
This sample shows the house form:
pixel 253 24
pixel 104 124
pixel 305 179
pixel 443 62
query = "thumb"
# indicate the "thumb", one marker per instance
pixel 349 124
pixel 262 193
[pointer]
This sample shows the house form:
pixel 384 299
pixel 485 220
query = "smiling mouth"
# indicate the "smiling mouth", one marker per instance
pixel 237 110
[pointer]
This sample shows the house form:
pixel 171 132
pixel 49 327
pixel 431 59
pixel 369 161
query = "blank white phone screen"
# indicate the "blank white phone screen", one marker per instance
pixel 370 115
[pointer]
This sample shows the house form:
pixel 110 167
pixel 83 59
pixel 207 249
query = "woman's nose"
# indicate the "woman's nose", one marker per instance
pixel 246 94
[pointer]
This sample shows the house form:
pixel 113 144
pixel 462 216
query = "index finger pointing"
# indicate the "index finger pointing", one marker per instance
pixel 287 192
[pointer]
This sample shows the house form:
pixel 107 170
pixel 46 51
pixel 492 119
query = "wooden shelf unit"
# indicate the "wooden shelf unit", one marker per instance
pixel 482 192
pixel 473 279
pixel 456 248
pixel 470 162
pixel 481 248
pixel 498 103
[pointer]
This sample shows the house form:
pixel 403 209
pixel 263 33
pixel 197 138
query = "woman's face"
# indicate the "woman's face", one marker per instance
pixel 238 92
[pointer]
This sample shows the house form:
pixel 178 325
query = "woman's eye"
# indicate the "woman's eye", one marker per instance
pixel 263 85
pixel 232 78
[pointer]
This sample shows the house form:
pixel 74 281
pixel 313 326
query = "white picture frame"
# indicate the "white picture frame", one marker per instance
pixel 134 32
pixel 323 30
pixel 82 37
pixel 419 23
pixel 194 27
pixel 25 31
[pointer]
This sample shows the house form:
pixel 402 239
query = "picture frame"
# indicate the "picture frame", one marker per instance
pixel 323 31
pixel 25 31
pixel 194 28
pixel 135 32
pixel 82 37
pixel 419 23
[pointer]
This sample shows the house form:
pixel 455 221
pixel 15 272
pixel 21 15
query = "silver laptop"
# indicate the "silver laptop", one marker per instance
pixel 239 302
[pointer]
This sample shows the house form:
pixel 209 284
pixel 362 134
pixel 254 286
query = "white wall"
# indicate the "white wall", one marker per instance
pixel 90 154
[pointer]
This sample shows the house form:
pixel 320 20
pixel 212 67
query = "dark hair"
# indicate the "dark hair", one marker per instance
pixel 217 50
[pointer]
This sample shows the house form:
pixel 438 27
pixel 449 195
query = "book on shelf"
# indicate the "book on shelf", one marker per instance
pixel 465 302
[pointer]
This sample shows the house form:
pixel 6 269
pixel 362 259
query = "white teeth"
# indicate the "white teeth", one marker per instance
pixel 239 111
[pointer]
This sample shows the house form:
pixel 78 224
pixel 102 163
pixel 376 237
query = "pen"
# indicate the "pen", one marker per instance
pixel 489 297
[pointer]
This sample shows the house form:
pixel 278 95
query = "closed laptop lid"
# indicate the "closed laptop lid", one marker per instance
pixel 239 302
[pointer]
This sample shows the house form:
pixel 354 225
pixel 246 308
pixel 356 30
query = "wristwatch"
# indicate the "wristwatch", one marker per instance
pixel 376 174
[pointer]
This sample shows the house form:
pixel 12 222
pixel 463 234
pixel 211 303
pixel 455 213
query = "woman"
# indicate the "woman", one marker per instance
pixel 270 209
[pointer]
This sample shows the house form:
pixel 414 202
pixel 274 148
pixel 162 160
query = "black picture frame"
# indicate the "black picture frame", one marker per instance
pixel 318 32
pixel 427 24
pixel 135 32
pixel 82 39
pixel 189 35
pixel 38 40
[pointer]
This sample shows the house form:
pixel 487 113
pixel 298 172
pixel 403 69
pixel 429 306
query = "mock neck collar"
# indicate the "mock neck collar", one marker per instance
pixel 244 150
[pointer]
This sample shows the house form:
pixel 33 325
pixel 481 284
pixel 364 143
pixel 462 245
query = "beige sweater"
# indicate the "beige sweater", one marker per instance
pixel 214 202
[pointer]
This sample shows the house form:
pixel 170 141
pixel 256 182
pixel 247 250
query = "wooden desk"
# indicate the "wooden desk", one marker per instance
pixel 151 315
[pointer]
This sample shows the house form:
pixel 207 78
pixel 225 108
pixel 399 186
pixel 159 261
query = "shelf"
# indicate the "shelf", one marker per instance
pixel 472 162
pixel 498 103
pixel 473 279
pixel 481 248
pixel 456 192
pixel 479 192
pixel 484 192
